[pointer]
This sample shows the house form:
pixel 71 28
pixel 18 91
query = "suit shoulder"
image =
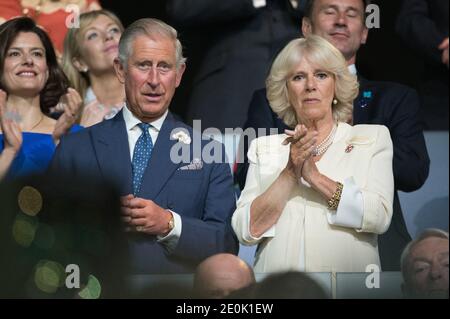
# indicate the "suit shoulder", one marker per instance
pixel 75 136
pixel 386 87
pixel 260 93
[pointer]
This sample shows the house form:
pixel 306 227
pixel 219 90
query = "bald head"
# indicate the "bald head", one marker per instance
pixel 221 274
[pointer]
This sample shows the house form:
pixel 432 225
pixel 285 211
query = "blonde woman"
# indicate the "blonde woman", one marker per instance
pixel 51 15
pixel 316 197
pixel 88 61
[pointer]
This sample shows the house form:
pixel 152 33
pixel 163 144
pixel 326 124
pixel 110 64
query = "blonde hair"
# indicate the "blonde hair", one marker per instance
pixel 72 49
pixel 323 54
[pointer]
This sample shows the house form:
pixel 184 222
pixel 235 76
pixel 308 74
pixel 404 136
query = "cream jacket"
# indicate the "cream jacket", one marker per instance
pixel 363 153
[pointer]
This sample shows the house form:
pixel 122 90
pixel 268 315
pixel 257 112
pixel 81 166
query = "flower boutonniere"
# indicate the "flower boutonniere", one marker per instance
pixel 182 137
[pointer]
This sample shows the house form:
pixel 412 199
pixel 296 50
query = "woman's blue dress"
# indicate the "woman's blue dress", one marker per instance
pixel 35 155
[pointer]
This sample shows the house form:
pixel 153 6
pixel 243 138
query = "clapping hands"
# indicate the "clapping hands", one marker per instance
pixel 302 145
pixel 70 104
pixel 12 134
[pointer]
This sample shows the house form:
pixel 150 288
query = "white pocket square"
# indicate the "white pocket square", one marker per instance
pixel 195 165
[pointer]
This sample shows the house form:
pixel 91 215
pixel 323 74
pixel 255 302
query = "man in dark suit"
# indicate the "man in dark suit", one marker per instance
pixel 423 26
pixel 396 106
pixel 177 208
pixel 240 39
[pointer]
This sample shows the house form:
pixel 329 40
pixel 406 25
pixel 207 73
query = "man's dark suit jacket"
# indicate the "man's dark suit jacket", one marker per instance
pixel 390 104
pixel 423 25
pixel 238 49
pixel 204 198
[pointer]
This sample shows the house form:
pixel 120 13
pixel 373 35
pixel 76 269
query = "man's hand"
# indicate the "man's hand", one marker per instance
pixel 72 103
pixel 444 48
pixel 144 216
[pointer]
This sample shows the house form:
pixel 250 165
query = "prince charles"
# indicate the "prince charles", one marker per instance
pixel 177 214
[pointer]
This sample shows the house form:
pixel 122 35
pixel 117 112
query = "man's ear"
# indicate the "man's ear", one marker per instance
pixel 306 27
pixel 180 73
pixel 120 70
pixel 365 35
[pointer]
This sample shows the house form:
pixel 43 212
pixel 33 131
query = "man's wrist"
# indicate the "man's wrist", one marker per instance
pixel 170 224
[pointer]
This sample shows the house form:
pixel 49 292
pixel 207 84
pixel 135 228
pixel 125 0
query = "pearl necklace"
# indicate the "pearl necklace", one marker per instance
pixel 326 143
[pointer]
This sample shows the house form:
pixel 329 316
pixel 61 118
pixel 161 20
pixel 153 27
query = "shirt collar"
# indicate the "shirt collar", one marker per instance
pixel 132 121
pixel 89 96
pixel 352 69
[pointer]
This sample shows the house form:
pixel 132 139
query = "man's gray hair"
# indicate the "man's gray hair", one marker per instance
pixel 427 233
pixel 149 27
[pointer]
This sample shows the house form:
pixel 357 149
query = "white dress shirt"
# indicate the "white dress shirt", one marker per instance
pixel 352 69
pixel 134 132
pixel 259 3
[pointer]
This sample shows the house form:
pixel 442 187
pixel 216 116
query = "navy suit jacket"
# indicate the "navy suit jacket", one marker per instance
pixel 423 25
pixel 203 198
pixel 393 105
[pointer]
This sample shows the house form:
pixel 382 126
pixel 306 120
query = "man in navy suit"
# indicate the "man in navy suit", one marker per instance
pixel 342 22
pixel 176 212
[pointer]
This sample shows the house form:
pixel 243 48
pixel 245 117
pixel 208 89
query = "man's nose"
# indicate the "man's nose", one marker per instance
pixel 341 19
pixel 153 78
pixel 436 271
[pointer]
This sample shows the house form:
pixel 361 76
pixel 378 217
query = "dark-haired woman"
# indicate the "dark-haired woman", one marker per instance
pixel 34 83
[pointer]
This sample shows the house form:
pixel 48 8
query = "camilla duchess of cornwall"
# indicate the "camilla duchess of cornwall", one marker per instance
pixel 316 197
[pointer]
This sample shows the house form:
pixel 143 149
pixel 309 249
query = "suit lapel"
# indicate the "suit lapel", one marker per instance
pixel 361 105
pixel 113 153
pixel 160 167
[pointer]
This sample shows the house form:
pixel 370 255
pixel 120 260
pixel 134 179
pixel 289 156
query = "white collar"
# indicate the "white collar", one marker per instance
pixel 132 121
pixel 89 96
pixel 352 69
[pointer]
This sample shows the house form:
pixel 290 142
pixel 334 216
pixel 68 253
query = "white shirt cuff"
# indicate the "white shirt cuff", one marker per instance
pixel 259 3
pixel 268 234
pixel 171 239
pixel 350 211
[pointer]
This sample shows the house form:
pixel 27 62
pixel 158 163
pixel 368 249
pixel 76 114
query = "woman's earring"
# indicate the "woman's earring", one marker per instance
pixel 335 101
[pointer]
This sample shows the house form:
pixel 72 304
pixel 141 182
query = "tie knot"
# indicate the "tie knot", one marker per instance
pixel 144 127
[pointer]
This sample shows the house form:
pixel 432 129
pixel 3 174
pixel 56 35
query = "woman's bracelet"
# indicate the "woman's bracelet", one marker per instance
pixel 333 203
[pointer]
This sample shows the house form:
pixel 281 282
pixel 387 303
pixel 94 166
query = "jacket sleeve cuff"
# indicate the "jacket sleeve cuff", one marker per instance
pixel 350 211
pixel 170 241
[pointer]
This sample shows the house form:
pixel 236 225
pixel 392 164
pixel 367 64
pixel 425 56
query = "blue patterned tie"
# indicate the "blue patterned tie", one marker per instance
pixel 141 156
